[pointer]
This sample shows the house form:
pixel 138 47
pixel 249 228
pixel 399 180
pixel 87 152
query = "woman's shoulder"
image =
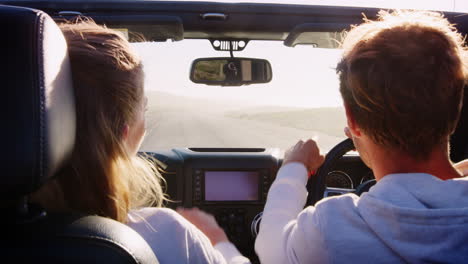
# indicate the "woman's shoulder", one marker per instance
pixel 172 237
pixel 150 211
pixel 155 216
pixel 162 220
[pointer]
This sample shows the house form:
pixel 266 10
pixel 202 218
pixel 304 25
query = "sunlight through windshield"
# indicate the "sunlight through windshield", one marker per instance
pixel 301 101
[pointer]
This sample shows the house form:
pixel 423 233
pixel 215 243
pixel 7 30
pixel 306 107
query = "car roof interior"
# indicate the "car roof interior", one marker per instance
pixel 177 20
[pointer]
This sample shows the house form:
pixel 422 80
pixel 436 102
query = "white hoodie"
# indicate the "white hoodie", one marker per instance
pixel 175 240
pixel 413 217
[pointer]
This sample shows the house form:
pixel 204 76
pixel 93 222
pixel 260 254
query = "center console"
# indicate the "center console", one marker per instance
pixel 243 186
pixel 234 196
pixel 231 184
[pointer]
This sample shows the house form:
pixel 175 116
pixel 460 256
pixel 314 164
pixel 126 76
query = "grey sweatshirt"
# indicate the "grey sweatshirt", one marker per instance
pixel 413 218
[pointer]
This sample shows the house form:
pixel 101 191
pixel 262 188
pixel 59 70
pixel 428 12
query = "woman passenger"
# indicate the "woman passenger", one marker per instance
pixel 105 176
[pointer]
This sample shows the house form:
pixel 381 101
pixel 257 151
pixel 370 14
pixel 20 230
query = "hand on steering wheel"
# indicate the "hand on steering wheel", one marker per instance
pixel 306 153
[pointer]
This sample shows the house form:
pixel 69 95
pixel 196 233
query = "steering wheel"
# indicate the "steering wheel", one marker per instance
pixel 316 184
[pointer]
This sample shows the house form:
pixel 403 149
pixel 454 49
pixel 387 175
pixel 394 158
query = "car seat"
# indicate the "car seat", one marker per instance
pixel 38 133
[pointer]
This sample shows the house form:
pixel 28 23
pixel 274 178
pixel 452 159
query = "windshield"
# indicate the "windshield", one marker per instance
pixel 302 100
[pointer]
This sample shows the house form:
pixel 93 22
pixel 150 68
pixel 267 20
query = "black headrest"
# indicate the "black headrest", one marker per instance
pixel 38 124
pixel 69 238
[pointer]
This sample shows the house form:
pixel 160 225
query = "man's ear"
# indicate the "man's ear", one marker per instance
pixel 125 131
pixel 353 127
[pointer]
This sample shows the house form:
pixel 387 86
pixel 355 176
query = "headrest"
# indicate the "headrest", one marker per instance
pixel 38 124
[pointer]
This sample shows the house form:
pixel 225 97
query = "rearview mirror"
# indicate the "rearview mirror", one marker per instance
pixel 230 71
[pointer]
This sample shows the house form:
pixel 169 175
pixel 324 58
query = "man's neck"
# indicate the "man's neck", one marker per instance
pixel 391 162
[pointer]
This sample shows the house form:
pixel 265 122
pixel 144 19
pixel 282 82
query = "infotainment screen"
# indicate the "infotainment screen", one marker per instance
pixel 231 185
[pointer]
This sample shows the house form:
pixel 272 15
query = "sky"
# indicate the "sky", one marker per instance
pixel 302 76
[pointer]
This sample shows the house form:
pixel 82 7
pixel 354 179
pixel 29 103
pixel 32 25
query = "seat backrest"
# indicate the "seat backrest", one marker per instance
pixel 38 134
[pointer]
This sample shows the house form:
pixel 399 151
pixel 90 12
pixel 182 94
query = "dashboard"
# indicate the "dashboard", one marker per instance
pixel 232 184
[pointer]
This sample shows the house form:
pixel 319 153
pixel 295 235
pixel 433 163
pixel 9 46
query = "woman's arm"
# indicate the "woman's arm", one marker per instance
pixel 173 238
pixel 208 225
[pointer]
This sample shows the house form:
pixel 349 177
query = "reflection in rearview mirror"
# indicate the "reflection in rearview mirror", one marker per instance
pixel 230 71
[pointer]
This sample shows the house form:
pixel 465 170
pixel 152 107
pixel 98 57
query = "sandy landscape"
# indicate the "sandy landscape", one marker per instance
pixel 178 121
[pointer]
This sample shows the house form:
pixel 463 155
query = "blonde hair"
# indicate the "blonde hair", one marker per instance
pixel 402 78
pixel 102 177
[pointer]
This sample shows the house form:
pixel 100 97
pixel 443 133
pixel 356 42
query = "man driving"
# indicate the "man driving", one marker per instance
pixel 401 79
